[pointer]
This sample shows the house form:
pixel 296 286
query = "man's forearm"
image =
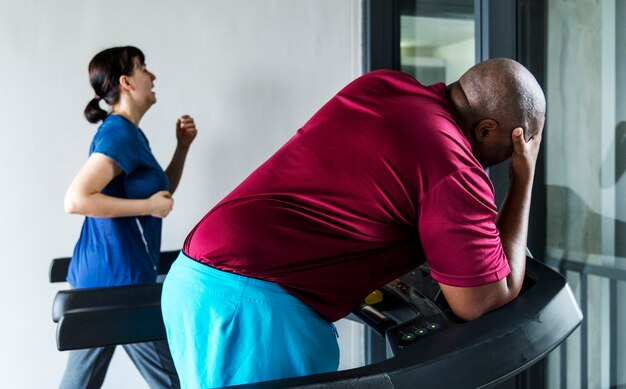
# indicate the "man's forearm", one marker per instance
pixel 512 224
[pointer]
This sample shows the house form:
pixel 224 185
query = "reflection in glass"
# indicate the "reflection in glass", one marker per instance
pixel 436 40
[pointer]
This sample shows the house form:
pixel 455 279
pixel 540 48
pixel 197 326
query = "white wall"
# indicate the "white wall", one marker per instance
pixel 250 72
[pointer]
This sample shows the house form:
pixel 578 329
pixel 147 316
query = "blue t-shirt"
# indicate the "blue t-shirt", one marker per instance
pixel 122 250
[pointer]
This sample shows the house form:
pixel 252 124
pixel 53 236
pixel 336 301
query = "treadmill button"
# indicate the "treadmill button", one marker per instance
pixel 408 337
pixel 421 331
pixel 433 326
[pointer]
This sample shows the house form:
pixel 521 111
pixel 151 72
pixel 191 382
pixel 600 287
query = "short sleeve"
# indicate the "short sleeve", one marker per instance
pixel 120 144
pixel 458 231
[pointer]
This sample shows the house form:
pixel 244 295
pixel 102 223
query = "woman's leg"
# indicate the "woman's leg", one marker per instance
pixel 86 368
pixel 154 362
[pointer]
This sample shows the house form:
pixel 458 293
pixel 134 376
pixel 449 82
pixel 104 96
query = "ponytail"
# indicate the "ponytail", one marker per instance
pixel 93 112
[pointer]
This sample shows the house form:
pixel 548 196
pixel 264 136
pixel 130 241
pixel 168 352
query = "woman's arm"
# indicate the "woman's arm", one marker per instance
pixel 84 195
pixel 185 134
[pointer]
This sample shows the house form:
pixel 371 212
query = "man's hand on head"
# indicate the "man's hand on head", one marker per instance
pixel 524 157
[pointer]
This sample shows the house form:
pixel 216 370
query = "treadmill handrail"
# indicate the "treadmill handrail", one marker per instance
pixel 110 325
pixel 69 300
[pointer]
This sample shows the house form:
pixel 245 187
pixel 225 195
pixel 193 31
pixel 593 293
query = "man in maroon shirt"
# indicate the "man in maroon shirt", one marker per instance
pixel 388 174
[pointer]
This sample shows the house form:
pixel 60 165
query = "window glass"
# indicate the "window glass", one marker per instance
pixel 436 39
pixel 586 185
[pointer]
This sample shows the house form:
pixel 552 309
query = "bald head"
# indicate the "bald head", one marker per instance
pixel 493 98
pixel 504 90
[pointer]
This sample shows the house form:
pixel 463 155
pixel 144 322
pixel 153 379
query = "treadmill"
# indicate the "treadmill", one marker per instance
pixel 427 346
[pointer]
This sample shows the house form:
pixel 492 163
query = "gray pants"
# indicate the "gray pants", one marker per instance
pixel 86 368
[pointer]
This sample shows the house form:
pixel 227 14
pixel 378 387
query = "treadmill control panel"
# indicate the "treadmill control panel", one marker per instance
pixel 407 333
pixel 416 303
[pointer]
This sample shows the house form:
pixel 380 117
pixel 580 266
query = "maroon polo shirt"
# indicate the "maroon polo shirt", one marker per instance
pixel 380 179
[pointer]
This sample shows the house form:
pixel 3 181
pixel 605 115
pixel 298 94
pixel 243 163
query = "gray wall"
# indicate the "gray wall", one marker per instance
pixel 250 72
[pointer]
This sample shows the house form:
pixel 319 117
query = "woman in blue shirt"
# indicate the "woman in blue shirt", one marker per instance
pixel 124 194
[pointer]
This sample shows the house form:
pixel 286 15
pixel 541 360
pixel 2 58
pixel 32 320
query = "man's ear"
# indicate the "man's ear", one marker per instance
pixel 484 129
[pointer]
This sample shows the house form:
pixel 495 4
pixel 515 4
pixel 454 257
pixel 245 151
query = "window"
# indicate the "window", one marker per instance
pixel 586 185
pixel 436 39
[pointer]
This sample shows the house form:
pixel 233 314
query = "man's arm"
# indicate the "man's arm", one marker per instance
pixel 471 302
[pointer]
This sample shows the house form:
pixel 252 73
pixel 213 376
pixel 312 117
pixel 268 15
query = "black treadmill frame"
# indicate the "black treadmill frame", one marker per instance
pixel 535 323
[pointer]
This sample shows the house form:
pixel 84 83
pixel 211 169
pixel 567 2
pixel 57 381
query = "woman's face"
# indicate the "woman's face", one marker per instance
pixel 143 82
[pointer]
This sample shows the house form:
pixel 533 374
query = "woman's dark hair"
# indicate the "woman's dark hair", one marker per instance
pixel 105 70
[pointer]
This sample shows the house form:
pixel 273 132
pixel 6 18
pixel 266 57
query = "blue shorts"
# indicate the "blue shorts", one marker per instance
pixel 225 329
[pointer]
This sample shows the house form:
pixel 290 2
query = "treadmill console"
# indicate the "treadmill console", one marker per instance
pixel 414 308
pixel 428 315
